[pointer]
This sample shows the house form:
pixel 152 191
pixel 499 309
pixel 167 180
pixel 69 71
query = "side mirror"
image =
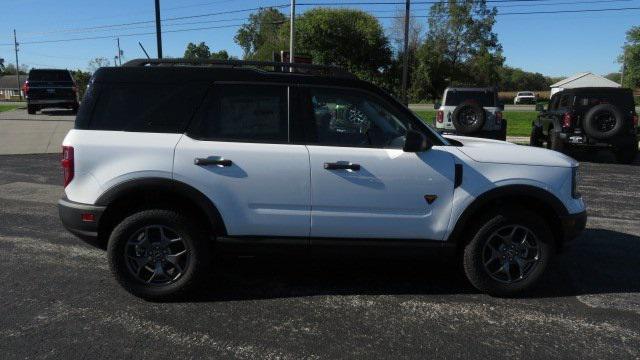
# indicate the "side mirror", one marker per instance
pixel 436 106
pixel 539 107
pixel 416 142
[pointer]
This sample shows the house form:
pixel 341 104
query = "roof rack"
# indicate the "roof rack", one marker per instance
pixel 260 65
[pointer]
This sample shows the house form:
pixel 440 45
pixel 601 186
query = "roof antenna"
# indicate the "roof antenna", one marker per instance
pixel 145 51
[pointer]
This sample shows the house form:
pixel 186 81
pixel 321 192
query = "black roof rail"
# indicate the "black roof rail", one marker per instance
pixel 275 66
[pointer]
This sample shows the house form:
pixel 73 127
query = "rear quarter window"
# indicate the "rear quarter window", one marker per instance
pixel 49 75
pixel 148 107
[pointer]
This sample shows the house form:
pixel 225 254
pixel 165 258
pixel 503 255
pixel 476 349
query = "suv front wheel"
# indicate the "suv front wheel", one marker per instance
pixel 157 254
pixel 509 252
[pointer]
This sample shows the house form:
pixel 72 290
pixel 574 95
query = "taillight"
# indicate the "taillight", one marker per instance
pixel 440 116
pixel 67 164
pixel 498 117
pixel 25 87
pixel 566 120
pixel 635 120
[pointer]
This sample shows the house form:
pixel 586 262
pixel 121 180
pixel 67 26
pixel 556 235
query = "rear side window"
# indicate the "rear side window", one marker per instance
pixel 49 75
pixel 148 107
pixel 245 113
pixel 484 98
pixel 566 101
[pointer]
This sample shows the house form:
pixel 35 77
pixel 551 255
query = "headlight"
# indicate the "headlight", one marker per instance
pixel 575 181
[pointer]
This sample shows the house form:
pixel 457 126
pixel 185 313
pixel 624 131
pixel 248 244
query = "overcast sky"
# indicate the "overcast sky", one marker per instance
pixel 553 44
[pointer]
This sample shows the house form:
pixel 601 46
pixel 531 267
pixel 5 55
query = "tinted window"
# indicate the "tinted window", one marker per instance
pixel 484 98
pixel 164 108
pixel 49 75
pixel 350 118
pixel 246 113
pixel 566 101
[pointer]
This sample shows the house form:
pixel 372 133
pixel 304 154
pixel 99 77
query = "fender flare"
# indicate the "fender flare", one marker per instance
pixel 178 188
pixel 504 192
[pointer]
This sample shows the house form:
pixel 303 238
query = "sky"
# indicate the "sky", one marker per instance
pixel 552 44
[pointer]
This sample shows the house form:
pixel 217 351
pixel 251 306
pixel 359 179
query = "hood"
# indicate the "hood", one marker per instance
pixel 502 152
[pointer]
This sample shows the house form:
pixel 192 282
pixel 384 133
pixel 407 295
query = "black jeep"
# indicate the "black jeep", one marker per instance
pixel 589 118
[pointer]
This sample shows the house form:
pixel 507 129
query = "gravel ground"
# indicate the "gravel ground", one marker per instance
pixel 58 299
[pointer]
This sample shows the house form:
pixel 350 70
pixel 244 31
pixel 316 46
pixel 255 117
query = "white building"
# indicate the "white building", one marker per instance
pixel 581 80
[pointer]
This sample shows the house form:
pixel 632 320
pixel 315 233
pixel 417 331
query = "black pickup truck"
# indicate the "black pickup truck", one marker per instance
pixel 589 118
pixel 50 88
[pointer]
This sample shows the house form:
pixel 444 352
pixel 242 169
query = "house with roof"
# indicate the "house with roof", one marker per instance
pixel 580 80
pixel 10 89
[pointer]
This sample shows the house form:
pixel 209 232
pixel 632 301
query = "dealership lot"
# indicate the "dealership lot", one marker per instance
pixel 59 300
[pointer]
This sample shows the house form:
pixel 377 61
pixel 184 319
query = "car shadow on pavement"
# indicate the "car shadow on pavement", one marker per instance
pixel 603 156
pixel 600 261
pixel 58 112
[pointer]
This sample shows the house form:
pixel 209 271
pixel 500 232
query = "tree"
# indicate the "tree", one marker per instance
pixel 460 46
pixel 263 35
pixel 10 69
pixel 200 51
pixel 97 63
pixel 348 38
pixel 82 80
pixel 630 59
pixel 615 76
pixel 221 55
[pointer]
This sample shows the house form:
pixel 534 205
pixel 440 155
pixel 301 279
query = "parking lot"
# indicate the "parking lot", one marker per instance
pixel 59 300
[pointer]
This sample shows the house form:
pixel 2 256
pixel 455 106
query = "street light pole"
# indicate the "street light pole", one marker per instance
pixel 292 34
pixel 158 30
pixel 405 65
pixel 15 47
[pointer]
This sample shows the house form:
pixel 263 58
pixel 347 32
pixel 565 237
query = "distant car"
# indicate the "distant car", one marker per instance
pixel 471 112
pixel 50 88
pixel 589 118
pixel 525 97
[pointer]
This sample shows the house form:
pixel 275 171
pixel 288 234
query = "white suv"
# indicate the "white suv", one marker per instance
pixel 168 165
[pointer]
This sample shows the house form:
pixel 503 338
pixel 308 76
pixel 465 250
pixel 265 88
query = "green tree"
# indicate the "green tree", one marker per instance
pixel 348 38
pixel 200 51
pixel 630 59
pixel 82 80
pixel 263 35
pixel 461 45
pixel 615 76
pixel 97 63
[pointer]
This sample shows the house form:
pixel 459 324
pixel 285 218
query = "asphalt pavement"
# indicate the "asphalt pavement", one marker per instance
pixel 58 299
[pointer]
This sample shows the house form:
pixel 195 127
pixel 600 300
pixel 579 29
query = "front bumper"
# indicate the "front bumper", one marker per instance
pixel 573 225
pixel 75 218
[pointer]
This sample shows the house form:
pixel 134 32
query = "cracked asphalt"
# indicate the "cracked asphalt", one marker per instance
pixel 58 299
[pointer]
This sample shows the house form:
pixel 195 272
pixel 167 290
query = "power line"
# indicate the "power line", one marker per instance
pixel 531 12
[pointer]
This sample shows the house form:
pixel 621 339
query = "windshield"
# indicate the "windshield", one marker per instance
pixel 525 94
pixel 49 75
pixel 484 98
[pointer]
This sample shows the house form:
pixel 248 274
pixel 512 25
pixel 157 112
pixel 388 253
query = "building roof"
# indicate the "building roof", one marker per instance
pixel 9 81
pixel 585 79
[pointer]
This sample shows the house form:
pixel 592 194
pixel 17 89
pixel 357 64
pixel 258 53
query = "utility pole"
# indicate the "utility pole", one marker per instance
pixel 15 47
pixel 292 34
pixel 158 30
pixel 405 66
pixel 119 53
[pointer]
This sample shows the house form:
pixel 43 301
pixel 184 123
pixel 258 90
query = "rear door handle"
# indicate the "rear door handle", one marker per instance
pixel 342 166
pixel 213 160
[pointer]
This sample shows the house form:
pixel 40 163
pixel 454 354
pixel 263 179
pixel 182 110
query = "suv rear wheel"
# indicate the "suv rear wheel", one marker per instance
pixel 536 136
pixel 31 109
pixel 157 254
pixel 509 252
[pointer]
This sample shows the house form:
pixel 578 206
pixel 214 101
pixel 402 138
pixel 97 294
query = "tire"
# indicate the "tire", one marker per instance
pixel 535 252
pixel 554 142
pixel 194 262
pixel 502 135
pixel 597 125
pixel 468 117
pixel 536 136
pixel 31 109
pixel 627 154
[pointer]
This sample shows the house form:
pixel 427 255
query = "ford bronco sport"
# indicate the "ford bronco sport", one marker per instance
pixel 589 118
pixel 471 112
pixel 168 165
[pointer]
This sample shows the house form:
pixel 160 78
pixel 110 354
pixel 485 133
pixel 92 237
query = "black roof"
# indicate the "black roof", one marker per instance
pixel 596 89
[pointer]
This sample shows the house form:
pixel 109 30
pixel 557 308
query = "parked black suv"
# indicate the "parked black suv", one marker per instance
pixel 589 117
pixel 50 88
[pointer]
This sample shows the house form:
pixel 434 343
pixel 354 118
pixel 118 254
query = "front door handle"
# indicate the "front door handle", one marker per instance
pixel 213 160
pixel 342 166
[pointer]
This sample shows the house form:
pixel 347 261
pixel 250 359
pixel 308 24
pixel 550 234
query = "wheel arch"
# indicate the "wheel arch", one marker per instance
pixel 541 201
pixel 127 197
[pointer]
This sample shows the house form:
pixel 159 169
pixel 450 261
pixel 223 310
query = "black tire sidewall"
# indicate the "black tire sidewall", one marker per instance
pixel 472 259
pixel 590 127
pixel 196 243
pixel 536 134
pixel 466 129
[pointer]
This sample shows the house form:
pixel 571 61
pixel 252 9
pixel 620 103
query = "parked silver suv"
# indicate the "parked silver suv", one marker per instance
pixel 471 112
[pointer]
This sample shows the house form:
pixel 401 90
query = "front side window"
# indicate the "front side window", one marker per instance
pixel 245 113
pixel 351 118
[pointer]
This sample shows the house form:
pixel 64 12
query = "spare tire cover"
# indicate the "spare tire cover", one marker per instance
pixel 468 117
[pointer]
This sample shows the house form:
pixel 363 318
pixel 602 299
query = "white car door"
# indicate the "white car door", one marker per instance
pixel 238 154
pixel 363 184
